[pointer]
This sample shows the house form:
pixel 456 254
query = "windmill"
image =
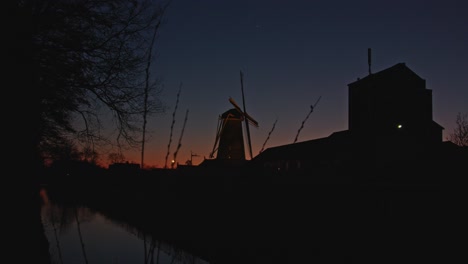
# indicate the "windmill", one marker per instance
pixel 229 142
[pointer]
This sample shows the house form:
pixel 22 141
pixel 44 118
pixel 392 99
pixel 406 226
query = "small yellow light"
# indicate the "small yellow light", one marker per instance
pixel 399 126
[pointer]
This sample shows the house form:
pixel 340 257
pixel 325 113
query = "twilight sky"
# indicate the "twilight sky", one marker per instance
pixel 291 53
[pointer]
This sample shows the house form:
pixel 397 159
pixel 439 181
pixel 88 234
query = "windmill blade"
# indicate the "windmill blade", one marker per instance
pixel 247 116
pixel 252 121
pixel 218 133
pixel 235 105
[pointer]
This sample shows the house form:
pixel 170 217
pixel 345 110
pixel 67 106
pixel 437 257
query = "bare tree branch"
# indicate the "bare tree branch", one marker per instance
pixel 268 137
pixel 89 61
pixel 459 135
pixel 172 126
pixel 307 117
pixel 179 145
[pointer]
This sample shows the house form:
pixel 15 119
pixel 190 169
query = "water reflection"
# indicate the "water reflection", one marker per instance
pixel 275 224
pixel 78 234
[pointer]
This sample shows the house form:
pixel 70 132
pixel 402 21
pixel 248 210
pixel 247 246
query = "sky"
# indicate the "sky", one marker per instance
pixel 291 54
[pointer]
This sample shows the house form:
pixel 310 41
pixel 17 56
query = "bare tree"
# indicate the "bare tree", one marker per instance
pixel 148 105
pixel 179 144
pixel 115 157
pixel 268 137
pixel 312 107
pixel 78 73
pixel 89 155
pixel 172 127
pixel 459 135
pixel 88 62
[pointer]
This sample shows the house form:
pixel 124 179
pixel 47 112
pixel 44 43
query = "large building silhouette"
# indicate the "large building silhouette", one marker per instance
pixel 393 103
pixel 390 125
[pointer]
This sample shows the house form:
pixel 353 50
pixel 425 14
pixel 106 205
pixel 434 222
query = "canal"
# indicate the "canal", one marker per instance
pixel 252 224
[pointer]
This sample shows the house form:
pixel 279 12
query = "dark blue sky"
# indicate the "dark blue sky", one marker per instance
pixel 291 53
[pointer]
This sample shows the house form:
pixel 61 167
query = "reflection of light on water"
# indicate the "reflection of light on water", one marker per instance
pixel 44 197
pixel 48 221
pixel 104 240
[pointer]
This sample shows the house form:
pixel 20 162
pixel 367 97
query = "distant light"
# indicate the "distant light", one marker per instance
pixel 399 126
pixel 172 161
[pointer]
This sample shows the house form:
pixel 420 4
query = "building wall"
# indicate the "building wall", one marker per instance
pixel 394 102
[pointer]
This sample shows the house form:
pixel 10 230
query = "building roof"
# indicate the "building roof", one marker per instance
pixel 398 71
pixel 315 148
pixel 232 113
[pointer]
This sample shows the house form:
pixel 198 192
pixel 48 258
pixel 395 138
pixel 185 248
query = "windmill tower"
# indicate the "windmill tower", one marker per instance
pixel 229 142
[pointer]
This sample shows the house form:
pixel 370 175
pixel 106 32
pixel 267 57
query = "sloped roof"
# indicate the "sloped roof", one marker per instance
pixel 233 113
pixel 320 147
pixel 398 71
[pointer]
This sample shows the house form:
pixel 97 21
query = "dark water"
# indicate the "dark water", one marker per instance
pixel 78 234
pixel 295 223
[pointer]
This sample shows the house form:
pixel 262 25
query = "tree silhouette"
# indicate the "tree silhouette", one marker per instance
pixel 179 144
pixel 172 126
pixel 74 64
pixel 149 106
pixel 116 157
pixel 88 63
pixel 459 135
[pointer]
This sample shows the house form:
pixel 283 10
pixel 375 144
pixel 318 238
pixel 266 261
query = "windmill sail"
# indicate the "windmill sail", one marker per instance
pixel 247 116
pixel 245 113
pixel 229 143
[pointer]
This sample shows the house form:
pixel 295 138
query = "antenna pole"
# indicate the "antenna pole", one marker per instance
pixel 369 60
pixel 245 117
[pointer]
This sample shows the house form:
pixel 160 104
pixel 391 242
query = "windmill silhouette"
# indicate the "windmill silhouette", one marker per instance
pixel 229 142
